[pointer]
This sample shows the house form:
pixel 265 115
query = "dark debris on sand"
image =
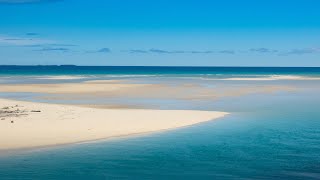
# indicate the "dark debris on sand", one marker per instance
pixel 14 111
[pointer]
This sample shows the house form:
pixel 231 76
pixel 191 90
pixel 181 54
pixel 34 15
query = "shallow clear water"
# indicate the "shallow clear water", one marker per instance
pixel 267 136
pixel 279 140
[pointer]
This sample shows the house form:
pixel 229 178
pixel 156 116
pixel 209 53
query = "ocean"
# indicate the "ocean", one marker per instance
pixel 266 136
pixel 152 70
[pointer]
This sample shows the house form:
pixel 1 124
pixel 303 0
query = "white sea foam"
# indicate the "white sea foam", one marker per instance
pixel 129 75
pixel 272 78
pixel 60 77
pixel 254 78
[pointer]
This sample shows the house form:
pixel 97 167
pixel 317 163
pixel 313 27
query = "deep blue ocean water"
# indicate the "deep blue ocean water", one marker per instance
pixel 267 136
pixel 153 70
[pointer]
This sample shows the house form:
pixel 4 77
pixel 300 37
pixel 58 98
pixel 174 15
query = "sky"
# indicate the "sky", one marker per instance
pixel 160 32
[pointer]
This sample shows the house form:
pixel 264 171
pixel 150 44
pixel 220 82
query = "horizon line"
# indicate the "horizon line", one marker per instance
pixel 72 65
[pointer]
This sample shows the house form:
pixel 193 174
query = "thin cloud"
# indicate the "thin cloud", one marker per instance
pixel 200 52
pixel 27 42
pixel 21 41
pixel 102 50
pixel 54 49
pixel 16 39
pixel 230 52
pixel 263 50
pixel 50 45
pixel 227 52
pixel 162 51
pixel 26 1
pixel 159 51
pixel 301 51
pixel 32 34
pixel 138 51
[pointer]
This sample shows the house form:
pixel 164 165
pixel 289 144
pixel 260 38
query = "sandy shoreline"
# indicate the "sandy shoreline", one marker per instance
pixel 29 124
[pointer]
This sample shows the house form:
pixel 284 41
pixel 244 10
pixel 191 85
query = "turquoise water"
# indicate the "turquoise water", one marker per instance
pixel 267 136
pixel 278 140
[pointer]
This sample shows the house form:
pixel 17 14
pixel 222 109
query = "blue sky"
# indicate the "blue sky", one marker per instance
pixel 166 32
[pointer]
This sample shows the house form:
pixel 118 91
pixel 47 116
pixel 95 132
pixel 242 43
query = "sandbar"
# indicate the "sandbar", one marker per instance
pixel 30 124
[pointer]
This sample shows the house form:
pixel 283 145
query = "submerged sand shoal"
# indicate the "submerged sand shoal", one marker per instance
pixel 29 124
pixel 127 89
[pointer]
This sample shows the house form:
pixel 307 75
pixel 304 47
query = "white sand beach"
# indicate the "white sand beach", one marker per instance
pixel 29 124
